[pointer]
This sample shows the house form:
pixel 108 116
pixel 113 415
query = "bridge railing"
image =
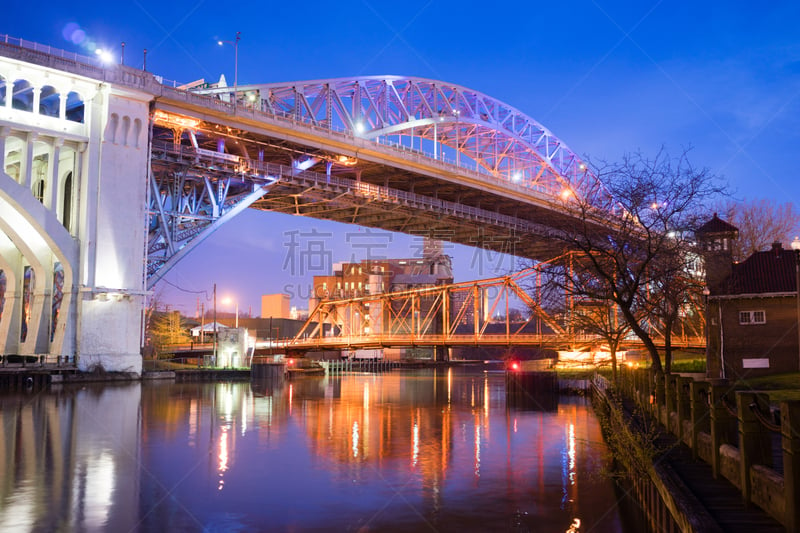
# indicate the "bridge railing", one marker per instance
pixel 49 50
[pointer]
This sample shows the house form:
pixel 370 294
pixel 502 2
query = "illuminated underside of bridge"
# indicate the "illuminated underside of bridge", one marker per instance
pixel 402 154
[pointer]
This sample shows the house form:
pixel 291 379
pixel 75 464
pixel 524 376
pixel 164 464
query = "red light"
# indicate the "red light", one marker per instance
pixel 514 366
pixel 291 361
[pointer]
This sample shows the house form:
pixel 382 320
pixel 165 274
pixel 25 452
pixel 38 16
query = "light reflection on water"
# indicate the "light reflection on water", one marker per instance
pixel 390 452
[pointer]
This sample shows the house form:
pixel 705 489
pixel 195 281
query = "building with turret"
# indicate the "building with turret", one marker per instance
pixel 753 307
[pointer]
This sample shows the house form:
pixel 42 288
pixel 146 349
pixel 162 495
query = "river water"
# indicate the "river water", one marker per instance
pixel 402 451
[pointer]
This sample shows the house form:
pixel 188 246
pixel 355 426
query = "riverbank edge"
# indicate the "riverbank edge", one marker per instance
pixel 660 493
pixel 39 376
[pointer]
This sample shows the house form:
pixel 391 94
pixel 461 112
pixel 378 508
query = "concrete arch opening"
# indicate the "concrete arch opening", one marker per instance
pixel 75 107
pixel 22 98
pixel 49 101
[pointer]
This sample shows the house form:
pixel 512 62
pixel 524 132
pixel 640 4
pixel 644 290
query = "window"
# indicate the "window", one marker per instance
pixel 49 101
pixel 747 318
pixel 66 209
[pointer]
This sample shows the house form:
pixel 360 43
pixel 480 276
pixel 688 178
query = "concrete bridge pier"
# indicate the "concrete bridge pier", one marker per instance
pixel 73 181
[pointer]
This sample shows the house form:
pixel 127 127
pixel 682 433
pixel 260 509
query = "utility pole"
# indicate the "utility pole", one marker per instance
pixel 796 252
pixel 215 324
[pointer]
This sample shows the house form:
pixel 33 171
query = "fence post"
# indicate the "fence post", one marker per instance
pixel 657 394
pixel 669 400
pixel 719 420
pixel 645 389
pixel 682 407
pixel 790 442
pixel 698 402
pixel 754 445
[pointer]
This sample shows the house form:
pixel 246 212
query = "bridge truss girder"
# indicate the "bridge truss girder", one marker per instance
pixel 479 132
pixel 459 314
pixel 465 314
pixel 190 195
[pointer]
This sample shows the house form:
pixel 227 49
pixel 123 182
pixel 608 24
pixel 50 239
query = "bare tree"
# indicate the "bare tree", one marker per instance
pixel 674 289
pixel 572 292
pixel 601 319
pixel 760 222
pixel 632 253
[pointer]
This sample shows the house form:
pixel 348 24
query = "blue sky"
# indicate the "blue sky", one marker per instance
pixel 604 77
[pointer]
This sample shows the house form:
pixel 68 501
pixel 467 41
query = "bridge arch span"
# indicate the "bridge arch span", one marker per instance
pixel 459 125
pixel 35 240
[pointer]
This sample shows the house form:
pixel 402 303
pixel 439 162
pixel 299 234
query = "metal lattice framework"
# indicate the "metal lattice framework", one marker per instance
pixel 195 189
pixel 443 315
pixel 460 125
pixel 192 193
pixel 459 314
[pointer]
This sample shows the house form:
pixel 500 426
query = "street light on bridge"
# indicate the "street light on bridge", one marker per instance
pixel 235 44
pixel 104 56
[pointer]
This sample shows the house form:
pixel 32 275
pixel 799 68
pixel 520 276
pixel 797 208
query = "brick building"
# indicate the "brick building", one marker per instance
pixel 752 310
pixel 378 276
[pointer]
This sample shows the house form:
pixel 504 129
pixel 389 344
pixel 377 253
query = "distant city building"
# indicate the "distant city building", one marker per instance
pixel 377 276
pixel 752 311
pixel 276 306
pixel 298 314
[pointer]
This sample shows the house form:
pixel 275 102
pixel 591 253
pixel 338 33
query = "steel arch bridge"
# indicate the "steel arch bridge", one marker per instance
pixel 401 153
pixel 111 175
pixel 491 136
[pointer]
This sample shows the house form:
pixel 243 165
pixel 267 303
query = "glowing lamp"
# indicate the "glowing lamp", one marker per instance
pixel 104 55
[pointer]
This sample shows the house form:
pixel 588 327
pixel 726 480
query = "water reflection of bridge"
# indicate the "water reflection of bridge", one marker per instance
pixel 146 456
